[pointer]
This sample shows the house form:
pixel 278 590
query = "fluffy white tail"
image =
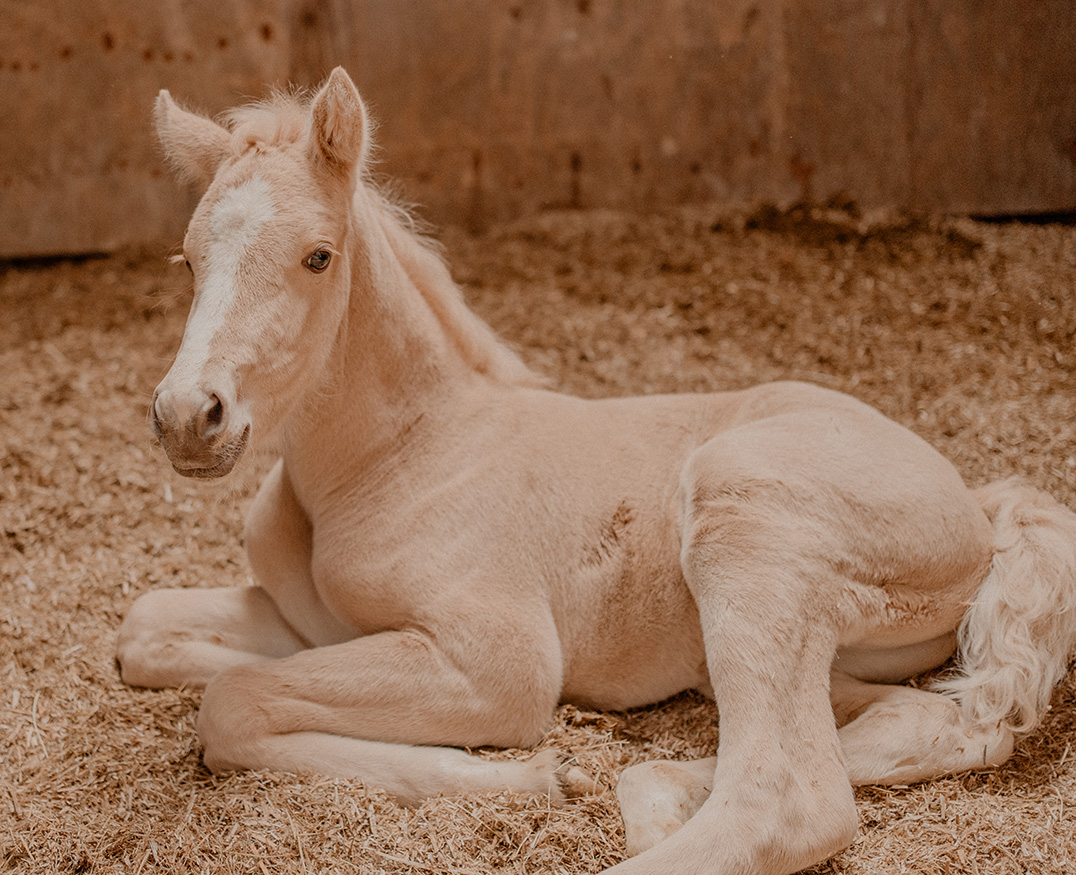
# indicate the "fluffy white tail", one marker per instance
pixel 1017 637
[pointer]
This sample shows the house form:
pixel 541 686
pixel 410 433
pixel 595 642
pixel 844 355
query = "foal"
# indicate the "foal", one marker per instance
pixel 446 549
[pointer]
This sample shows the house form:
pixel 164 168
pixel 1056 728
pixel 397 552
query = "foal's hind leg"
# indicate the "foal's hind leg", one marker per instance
pixel 898 735
pixel 889 735
pixel 658 797
pixel 781 799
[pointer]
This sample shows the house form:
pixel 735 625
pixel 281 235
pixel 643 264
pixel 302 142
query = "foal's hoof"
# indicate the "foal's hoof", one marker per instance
pixel 566 781
pixel 658 797
pixel 575 782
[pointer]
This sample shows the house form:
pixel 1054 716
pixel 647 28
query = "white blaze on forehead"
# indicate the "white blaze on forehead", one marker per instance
pixel 235 223
pixel 238 216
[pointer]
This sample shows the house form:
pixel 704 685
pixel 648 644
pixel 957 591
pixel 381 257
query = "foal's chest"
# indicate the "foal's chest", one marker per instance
pixel 400 566
pixel 369 583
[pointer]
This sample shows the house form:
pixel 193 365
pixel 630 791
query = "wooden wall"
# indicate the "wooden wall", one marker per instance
pixel 491 109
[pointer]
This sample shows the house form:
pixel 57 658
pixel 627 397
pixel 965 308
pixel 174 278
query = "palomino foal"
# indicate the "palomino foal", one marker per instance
pixel 446 550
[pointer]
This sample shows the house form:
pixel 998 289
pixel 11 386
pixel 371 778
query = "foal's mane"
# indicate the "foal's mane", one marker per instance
pixel 281 118
pixel 284 118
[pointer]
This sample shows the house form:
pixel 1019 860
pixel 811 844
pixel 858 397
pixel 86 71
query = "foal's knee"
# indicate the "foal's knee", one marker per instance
pixel 145 645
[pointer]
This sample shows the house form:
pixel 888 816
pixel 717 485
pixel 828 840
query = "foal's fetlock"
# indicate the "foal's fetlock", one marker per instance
pixel 831 824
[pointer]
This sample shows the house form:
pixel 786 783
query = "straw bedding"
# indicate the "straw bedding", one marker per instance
pixel 962 331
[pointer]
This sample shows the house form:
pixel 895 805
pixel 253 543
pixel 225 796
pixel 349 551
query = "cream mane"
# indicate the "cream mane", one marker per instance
pixel 280 119
pixel 473 339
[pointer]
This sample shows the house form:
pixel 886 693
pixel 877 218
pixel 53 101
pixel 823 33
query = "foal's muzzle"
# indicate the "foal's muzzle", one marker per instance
pixel 199 432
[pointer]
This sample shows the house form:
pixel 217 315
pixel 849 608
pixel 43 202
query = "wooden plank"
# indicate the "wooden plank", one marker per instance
pixel 79 166
pixel 491 109
pixel 994 124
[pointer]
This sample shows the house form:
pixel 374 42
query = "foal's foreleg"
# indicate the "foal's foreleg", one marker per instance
pixel 183 637
pixel 177 637
pixel 353 710
pixel 279 541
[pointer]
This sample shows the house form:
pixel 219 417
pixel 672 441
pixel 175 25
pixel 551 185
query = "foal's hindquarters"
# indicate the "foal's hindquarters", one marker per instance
pixel 806 533
pixel 833 554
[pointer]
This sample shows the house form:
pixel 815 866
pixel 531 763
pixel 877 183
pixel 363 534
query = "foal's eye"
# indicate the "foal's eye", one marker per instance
pixel 319 260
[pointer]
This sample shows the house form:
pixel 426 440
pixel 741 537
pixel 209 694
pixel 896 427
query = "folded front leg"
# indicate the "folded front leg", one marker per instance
pixel 184 637
pixel 353 710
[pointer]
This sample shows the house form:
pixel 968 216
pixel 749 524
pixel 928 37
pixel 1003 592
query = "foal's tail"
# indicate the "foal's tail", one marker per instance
pixel 1017 636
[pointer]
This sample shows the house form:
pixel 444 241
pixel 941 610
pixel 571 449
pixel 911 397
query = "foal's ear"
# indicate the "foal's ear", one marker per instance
pixel 340 128
pixel 196 145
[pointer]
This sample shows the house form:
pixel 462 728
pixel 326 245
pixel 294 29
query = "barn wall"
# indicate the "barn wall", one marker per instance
pixel 491 109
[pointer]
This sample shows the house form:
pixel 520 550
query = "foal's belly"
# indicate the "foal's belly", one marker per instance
pixel 891 665
pixel 631 680
pixel 643 644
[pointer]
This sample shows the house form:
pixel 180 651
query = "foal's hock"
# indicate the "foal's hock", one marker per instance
pixel 445 549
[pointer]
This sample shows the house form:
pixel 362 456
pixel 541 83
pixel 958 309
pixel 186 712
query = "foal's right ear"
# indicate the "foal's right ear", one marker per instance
pixel 339 124
pixel 196 145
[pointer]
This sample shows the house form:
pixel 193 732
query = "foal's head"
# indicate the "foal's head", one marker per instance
pixel 266 247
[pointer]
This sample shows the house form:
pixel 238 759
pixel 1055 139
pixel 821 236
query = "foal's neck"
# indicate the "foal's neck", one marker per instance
pixel 471 339
pixel 408 342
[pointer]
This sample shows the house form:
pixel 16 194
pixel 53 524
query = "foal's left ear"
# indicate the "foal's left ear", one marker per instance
pixel 196 145
pixel 340 127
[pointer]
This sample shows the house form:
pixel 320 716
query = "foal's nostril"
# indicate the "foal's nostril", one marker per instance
pixel 215 416
pixel 212 418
